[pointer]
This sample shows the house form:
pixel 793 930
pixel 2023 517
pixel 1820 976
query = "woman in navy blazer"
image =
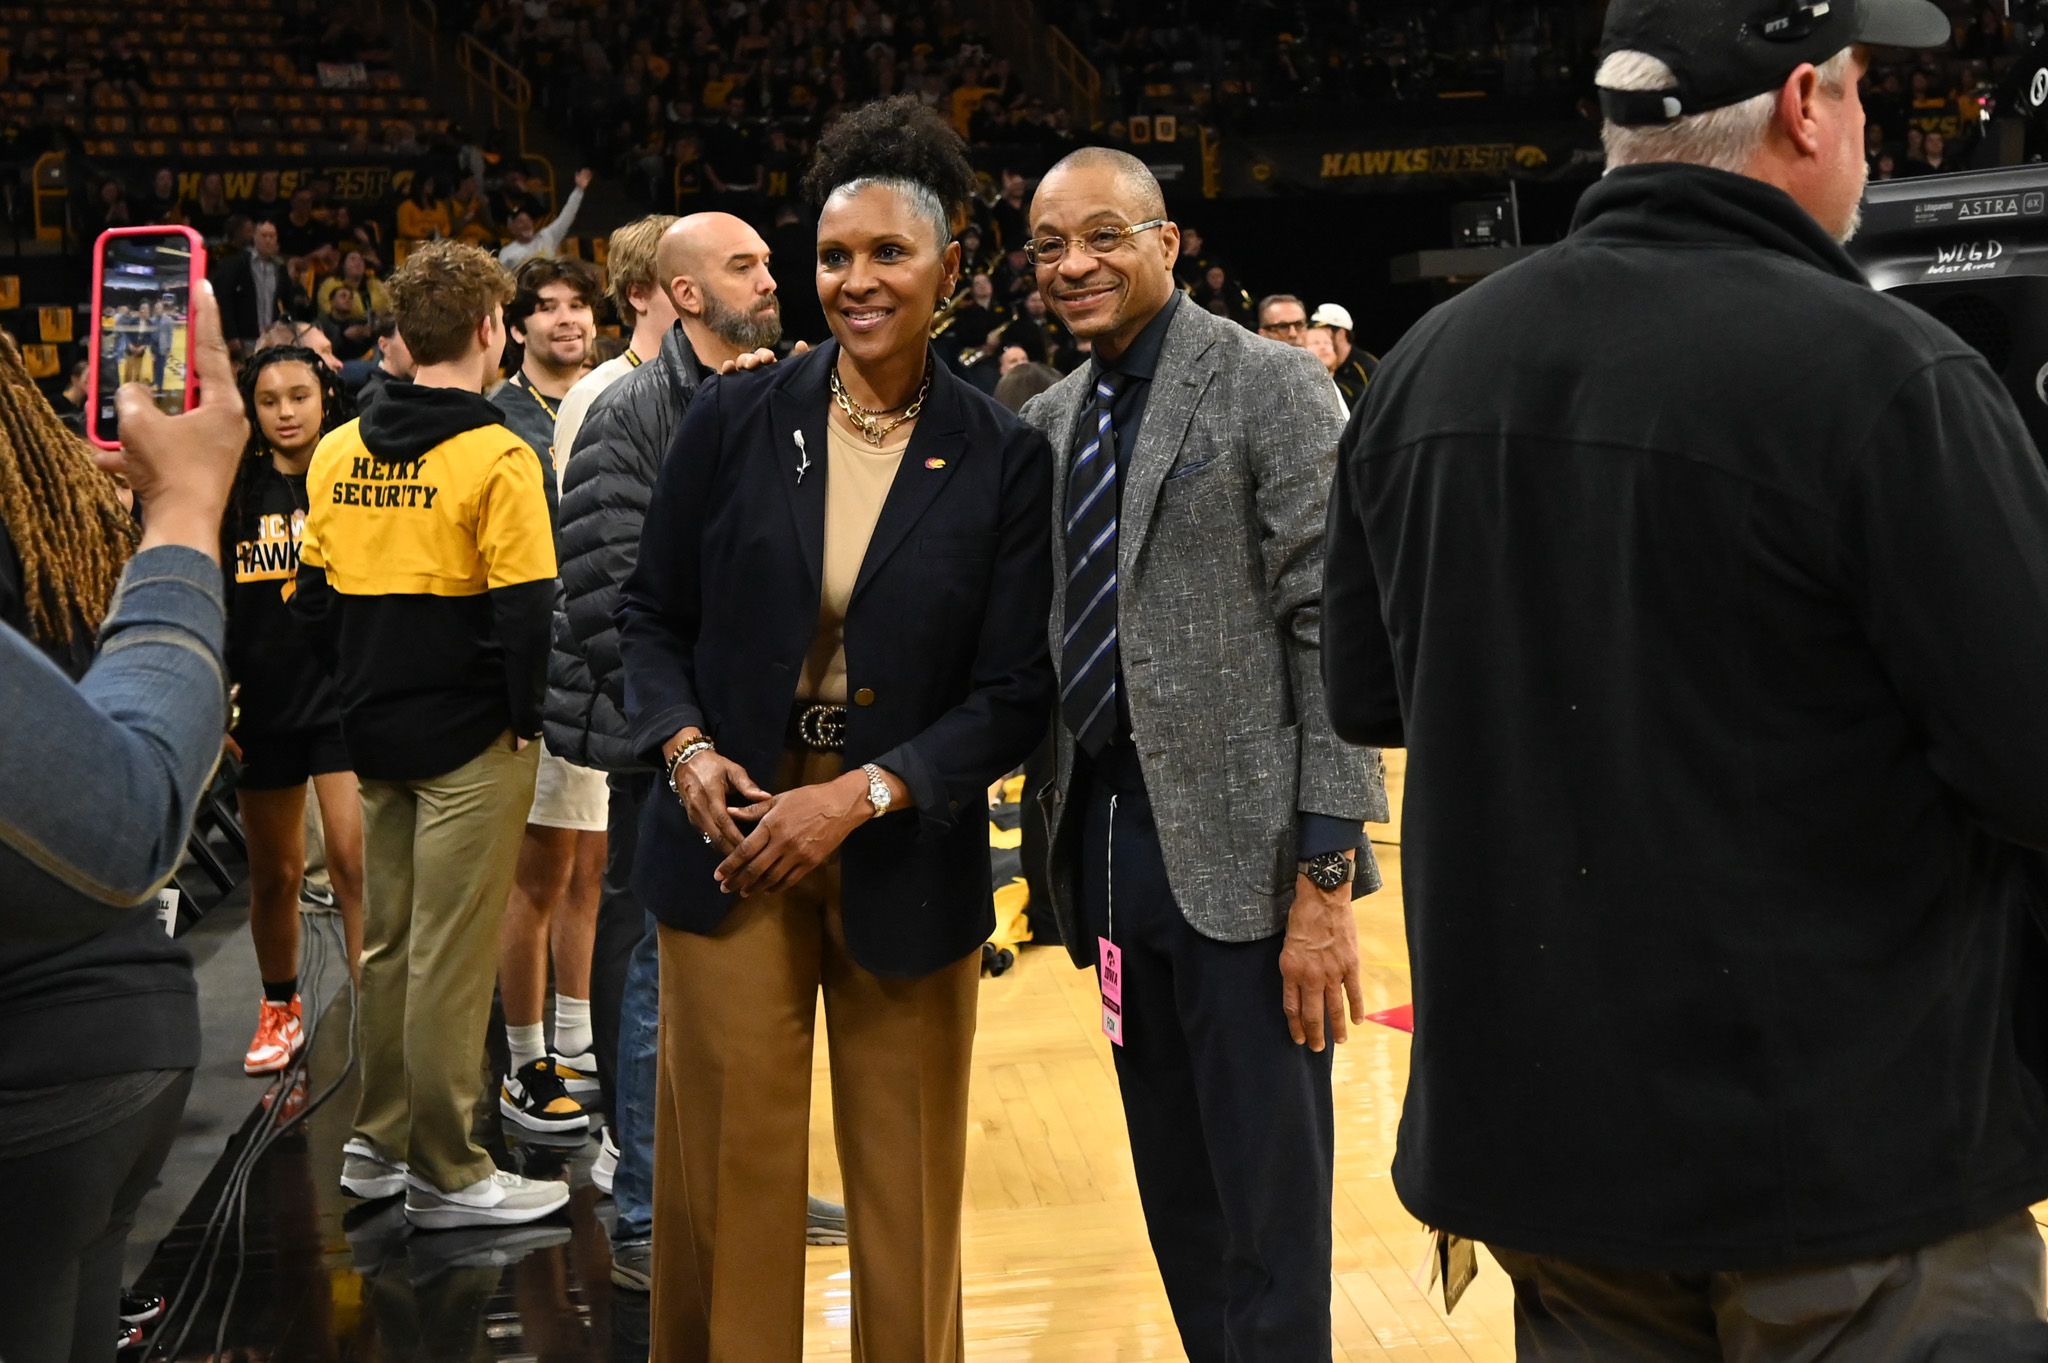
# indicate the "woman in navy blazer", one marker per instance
pixel 834 641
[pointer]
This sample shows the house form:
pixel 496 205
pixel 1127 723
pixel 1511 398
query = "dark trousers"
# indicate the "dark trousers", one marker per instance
pixel 1231 1126
pixel 1045 927
pixel 620 925
pixel 1976 1297
pixel 69 1211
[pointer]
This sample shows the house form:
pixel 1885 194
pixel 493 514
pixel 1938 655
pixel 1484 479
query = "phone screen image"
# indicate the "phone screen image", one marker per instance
pixel 143 326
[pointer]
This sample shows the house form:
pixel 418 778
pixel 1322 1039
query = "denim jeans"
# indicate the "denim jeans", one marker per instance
pixel 639 1035
pixel 638 1013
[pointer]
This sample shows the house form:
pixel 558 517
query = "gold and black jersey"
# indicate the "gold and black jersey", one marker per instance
pixel 428 565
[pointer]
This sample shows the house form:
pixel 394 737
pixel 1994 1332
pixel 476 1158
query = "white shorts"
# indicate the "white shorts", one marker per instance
pixel 568 796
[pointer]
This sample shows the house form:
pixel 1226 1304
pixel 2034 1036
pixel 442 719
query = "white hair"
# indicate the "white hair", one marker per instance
pixel 1724 139
pixel 922 197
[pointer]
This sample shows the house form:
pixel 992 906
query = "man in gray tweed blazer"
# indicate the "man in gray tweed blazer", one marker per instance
pixel 1204 817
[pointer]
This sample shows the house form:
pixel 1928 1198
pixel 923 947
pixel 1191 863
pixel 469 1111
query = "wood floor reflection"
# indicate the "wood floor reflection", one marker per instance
pixel 1057 1265
pixel 1057 1268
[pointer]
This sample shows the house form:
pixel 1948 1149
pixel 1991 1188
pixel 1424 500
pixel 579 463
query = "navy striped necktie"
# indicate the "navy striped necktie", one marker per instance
pixel 1088 653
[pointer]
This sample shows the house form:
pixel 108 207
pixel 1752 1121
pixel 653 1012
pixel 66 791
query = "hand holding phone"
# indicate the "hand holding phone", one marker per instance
pixel 143 282
pixel 182 467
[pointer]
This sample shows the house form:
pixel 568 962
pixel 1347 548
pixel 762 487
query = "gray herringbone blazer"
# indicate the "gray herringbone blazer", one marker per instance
pixel 1219 599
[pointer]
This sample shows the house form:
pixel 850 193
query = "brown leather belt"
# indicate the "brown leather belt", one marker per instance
pixel 817 727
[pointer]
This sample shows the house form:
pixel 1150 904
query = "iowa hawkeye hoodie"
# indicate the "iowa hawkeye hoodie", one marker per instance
pixel 427 578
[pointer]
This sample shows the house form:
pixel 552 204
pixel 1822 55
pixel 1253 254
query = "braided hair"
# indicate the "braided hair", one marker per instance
pixel 64 515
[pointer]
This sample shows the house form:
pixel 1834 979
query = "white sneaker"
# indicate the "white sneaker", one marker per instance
pixel 501 1200
pixel 369 1173
pixel 606 1166
pixel 579 1074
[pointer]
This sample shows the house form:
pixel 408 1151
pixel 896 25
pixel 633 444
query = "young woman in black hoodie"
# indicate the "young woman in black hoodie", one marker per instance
pixel 288 727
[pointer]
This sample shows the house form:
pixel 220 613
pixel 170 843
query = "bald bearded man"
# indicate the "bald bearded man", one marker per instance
pixel 714 269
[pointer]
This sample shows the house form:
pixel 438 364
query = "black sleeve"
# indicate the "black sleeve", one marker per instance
pixel 611 482
pixel 1359 681
pixel 1942 533
pixel 661 606
pixel 949 766
pixel 313 607
pixel 522 618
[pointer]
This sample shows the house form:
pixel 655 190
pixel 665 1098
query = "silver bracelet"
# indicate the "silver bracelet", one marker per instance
pixel 684 754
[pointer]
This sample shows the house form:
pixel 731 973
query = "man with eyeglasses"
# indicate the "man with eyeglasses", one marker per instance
pixel 1205 822
pixel 1284 318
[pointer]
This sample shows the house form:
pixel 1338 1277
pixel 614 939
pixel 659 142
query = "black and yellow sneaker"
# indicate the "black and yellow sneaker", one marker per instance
pixel 536 1099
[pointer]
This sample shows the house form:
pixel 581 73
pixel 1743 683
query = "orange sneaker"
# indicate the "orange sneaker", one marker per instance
pixel 278 1038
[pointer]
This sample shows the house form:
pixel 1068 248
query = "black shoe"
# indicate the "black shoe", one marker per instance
pixel 140 1308
pixel 537 1099
pixel 633 1266
pixel 127 1338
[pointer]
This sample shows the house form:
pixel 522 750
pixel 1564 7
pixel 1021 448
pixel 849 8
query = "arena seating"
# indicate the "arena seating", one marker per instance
pixel 221 80
pixel 637 88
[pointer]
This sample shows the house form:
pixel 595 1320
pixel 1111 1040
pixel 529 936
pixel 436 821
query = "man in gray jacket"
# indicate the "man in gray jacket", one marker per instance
pixel 1206 821
pixel 715 269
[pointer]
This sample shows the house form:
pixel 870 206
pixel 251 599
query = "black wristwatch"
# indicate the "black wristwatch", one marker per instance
pixel 1328 871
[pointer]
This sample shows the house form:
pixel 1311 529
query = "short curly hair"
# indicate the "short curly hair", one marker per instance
pixel 900 142
pixel 440 294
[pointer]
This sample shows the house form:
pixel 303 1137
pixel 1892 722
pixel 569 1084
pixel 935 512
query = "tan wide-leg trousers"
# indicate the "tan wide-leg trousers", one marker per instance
pixel 732 1140
pixel 437 868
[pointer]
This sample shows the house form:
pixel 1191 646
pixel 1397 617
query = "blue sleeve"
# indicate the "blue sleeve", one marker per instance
pixel 137 740
pixel 1317 834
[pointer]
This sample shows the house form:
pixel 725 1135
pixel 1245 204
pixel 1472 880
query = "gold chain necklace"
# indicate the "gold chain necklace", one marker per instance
pixel 874 431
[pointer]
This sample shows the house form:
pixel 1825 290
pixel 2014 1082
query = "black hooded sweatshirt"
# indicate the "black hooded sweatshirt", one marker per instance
pixel 427 578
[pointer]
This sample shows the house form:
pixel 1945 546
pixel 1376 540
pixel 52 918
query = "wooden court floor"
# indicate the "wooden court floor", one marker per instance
pixel 1057 1267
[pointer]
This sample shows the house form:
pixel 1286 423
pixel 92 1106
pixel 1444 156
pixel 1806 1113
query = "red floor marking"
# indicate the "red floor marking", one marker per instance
pixel 1401 1019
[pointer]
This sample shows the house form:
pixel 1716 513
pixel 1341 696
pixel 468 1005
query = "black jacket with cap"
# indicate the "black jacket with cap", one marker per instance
pixel 605 489
pixel 1709 589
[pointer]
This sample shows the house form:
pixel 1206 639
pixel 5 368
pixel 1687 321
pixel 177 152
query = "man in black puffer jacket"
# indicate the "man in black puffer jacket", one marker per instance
pixel 611 472
pixel 715 269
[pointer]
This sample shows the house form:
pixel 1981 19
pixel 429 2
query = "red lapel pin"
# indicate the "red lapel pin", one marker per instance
pixel 935 463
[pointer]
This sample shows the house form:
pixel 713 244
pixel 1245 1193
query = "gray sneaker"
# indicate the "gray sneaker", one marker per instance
pixel 431 1256
pixel 826 1224
pixel 633 1266
pixel 368 1172
pixel 501 1200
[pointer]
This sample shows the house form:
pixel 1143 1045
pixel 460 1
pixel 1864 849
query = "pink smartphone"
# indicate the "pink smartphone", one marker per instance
pixel 142 282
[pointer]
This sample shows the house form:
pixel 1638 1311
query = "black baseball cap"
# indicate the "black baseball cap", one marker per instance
pixel 1726 51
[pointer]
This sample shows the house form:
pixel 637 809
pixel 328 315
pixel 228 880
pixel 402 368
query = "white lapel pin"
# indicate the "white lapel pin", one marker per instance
pixel 803 465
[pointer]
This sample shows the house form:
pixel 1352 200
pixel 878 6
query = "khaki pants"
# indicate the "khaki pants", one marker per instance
pixel 1972 1298
pixel 731 1145
pixel 438 856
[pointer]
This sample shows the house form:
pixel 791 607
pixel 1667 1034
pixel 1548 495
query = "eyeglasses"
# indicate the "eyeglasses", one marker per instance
pixel 1286 328
pixel 1099 241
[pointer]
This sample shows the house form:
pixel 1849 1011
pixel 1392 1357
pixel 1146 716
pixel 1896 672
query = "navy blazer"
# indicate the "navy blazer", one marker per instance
pixel 946 649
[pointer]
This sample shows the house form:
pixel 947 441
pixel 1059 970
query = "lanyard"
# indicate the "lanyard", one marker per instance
pixel 632 360
pixel 527 388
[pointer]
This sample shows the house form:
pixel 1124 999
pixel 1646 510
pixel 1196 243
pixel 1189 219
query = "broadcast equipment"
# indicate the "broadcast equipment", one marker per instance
pixel 1972 250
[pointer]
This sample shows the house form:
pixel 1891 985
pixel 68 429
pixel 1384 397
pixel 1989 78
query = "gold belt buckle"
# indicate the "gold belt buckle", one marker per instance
pixel 823 727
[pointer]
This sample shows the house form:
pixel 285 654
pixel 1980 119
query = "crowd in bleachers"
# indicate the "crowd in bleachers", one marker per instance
pixel 1257 65
pixel 1927 115
pixel 698 104
pixel 1264 66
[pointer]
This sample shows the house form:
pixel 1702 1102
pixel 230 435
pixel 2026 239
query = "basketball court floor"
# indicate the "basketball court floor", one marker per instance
pixel 1057 1266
